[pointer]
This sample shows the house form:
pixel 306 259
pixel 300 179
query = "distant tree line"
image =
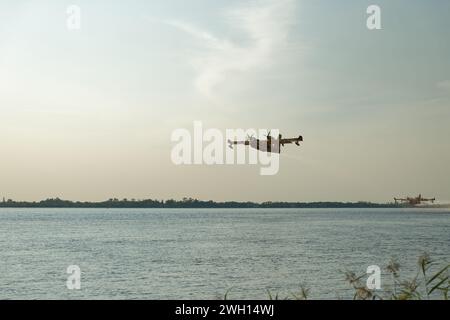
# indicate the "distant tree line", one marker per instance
pixel 188 203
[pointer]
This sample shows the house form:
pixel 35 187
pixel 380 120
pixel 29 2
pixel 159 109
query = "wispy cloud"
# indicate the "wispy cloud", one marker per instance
pixel 264 26
pixel 445 85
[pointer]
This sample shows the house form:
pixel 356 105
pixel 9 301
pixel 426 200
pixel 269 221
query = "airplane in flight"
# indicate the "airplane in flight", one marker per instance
pixel 414 201
pixel 271 145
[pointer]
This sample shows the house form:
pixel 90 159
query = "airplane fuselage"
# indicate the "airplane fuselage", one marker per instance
pixel 269 145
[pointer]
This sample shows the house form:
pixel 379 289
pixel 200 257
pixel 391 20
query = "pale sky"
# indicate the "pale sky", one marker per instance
pixel 88 114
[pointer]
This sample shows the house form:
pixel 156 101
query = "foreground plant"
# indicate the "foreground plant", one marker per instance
pixel 421 286
pixel 424 285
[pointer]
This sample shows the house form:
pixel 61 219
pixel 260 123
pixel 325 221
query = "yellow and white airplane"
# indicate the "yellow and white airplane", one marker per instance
pixel 270 145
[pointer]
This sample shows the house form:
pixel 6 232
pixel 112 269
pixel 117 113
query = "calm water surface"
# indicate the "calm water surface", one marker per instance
pixel 202 253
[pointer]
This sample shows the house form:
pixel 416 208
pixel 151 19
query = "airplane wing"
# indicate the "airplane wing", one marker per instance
pixel 231 143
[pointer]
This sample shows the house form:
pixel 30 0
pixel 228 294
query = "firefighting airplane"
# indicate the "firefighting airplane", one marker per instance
pixel 270 145
pixel 415 201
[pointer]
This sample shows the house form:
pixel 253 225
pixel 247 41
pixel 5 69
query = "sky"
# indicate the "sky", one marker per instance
pixel 88 114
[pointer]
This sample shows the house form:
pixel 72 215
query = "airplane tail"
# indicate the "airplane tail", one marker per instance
pixel 300 138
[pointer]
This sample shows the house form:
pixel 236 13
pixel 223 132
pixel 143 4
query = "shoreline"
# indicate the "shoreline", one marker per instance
pixel 199 204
